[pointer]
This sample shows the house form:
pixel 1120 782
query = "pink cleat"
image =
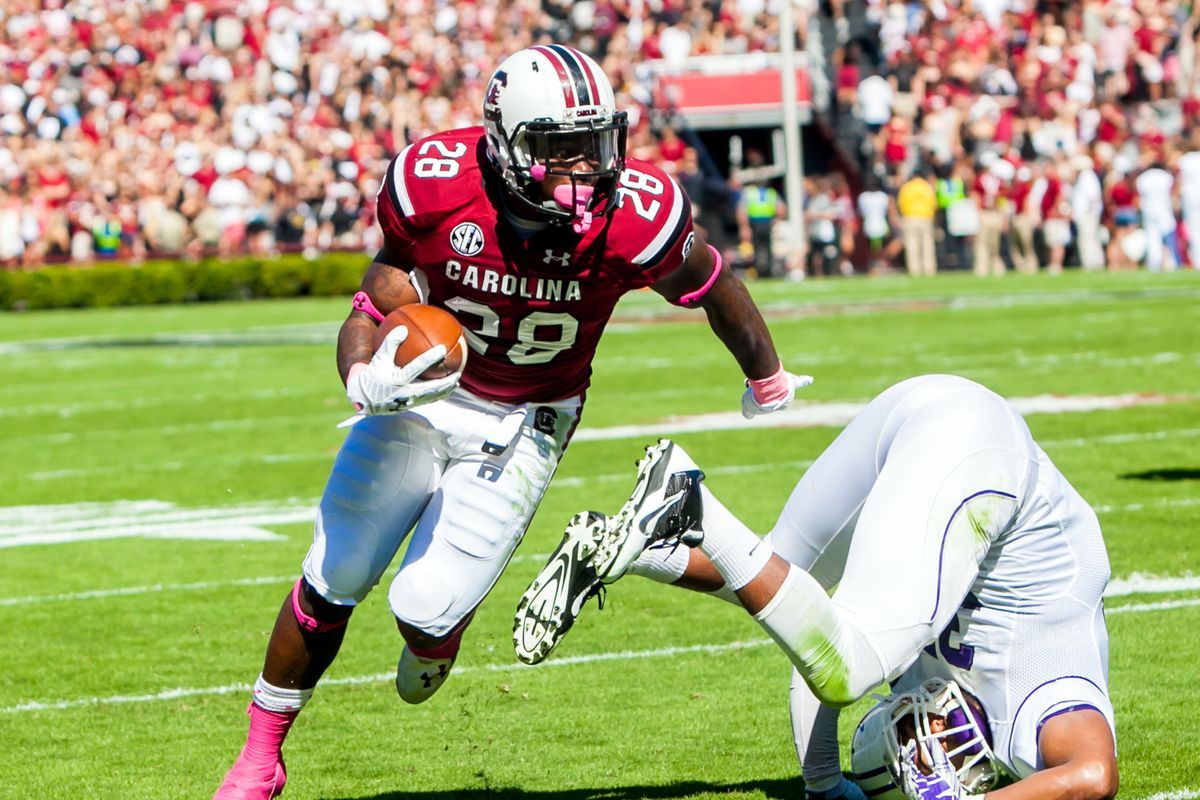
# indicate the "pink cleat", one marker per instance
pixel 246 781
pixel 258 773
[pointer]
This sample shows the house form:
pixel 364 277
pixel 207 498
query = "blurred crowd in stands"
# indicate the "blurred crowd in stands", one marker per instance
pixel 995 133
pixel 130 127
pixel 1009 134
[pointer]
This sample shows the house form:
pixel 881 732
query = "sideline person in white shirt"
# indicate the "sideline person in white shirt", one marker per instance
pixel 1087 208
pixel 1156 195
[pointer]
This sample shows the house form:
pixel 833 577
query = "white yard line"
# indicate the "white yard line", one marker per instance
pixel 570 661
pixel 154 588
pixel 304 333
pixel 1175 794
pixel 623 655
pixel 327 456
pixel 814 415
pixel 801 415
pixel 1140 583
pixel 632 314
pixel 46 525
pixel 131 403
pixel 77 522
pixel 1136 584
pixel 1180 502
pixel 197 586
pixel 1163 605
pixel 1123 438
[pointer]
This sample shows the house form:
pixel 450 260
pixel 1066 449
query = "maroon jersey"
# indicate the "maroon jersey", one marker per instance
pixel 532 308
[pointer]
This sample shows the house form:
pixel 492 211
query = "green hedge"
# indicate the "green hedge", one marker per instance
pixel 180 281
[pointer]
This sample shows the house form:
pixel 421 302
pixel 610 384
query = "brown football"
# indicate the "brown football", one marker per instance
pixel 428 326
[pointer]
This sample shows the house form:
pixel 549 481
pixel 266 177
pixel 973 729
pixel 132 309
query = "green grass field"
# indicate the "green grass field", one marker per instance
pixel 130 438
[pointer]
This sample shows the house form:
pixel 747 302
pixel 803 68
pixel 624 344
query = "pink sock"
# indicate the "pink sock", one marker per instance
pixel 268 729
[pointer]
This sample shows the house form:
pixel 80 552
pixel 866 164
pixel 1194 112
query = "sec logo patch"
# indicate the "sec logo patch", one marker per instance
pixel 687 245
pixel 466 239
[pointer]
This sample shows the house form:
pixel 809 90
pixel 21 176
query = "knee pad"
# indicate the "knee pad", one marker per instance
pixel 426 596
pixel 340 568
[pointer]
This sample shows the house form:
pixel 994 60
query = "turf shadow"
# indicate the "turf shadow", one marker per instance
pixel 1179 474
pixel 775 789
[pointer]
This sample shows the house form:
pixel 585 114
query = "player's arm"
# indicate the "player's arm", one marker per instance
pixel 704 281
pixel 374 384
pixel 387 286
pixel 1080 759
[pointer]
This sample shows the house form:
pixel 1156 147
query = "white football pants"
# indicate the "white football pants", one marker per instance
pixel 426 471
pixel 897 514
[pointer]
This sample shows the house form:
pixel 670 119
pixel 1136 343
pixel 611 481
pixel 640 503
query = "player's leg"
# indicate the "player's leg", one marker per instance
pixel 465 538
pixel 813 530
pixel 597 549
pixel 381 480
pixel 951 481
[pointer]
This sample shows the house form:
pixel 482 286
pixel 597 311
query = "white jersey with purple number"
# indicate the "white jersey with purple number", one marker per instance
pixel 1029 639
pixel 959 550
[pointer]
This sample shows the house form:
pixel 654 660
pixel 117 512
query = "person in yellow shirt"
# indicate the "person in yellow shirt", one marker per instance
pixel 917 203
pixel 758 209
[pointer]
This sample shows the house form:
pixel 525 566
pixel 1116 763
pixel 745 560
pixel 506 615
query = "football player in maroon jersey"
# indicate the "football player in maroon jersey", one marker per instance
pixel 528 229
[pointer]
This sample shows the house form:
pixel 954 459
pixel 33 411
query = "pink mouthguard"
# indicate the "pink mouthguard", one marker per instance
pixel 582 194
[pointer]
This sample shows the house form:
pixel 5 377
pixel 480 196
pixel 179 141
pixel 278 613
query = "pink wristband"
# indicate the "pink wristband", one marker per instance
pixel 691 298
pixel 362 302
pixel 770 390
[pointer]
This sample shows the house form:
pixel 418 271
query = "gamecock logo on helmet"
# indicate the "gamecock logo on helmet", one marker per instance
pixel 492 98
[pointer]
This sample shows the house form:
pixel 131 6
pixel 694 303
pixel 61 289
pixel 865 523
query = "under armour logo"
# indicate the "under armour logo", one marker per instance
pixel 429 679
pixel 562 259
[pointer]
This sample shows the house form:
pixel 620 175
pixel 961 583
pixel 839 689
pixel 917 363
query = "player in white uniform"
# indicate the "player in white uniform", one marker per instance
pixel 958 551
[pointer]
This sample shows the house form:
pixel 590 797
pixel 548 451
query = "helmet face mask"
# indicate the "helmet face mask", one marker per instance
pixel 538 127
pixel 936 714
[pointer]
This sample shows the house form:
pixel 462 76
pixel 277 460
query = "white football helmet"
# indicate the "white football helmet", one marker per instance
pixel 546 109
pixel 880 738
